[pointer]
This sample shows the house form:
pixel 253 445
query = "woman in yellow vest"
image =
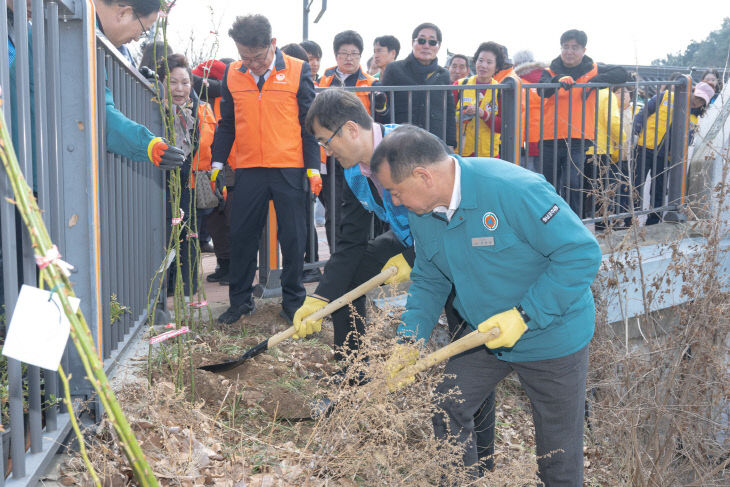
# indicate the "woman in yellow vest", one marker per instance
pixel 477 111
pixel 651 125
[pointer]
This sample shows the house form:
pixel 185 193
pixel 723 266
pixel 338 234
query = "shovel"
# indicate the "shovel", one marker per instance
pixel 333 306
pixel 472 340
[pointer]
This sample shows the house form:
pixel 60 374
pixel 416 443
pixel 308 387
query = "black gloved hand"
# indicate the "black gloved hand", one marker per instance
pixel 148 73
pixel 380 100
pixel 566 82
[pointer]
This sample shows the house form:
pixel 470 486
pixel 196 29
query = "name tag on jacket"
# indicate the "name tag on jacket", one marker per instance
pixel 482 241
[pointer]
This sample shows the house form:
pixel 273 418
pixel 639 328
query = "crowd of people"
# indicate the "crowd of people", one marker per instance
pixel 499 246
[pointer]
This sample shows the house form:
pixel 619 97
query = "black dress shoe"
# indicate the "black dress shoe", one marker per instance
pixel 221 271
pixel 311 275
pixel 207 246
pixel 231 315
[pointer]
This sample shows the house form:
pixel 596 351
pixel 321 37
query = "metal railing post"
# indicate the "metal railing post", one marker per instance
pixel 511 115
pixel 679 142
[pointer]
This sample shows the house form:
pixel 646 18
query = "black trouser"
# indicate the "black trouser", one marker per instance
pixel 332 204
pixel 484 418
pixel 643 163
pixel 255 187
pixel 562 166
pixel 348 327
pixel 311 254
pixel 219 228
pixel 188 256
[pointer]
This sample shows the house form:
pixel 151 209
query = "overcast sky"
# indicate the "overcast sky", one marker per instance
pixel 619 31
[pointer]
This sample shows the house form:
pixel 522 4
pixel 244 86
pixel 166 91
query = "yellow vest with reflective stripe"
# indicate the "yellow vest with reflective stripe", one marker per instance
pixel 658 122
pixel 465 147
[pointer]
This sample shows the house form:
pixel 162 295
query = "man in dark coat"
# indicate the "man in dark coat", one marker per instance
pixel 421 68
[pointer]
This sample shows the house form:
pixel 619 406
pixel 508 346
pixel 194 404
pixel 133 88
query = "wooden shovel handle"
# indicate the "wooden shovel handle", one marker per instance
pixel 472 340
pixel 338 303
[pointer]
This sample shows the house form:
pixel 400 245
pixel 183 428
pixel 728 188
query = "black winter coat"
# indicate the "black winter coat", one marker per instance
pixel 405 72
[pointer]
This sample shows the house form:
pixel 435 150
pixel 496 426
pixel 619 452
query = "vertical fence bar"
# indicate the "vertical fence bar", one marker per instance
pixel 677 176
pixel 40 161
pixel 24 152
pixel 51 114
pixel 444 106
pixel 511 114
pixel 105 207
pixel 427 114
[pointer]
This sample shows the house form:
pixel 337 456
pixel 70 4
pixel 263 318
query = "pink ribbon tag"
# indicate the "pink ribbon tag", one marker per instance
pixel 191 235
pixel 169 334
pixel 196 304
pixel 53 256
pixel 169 325
pixel 178 221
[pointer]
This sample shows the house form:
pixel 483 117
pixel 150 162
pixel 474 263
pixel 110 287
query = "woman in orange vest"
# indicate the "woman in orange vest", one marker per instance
pixel 193 125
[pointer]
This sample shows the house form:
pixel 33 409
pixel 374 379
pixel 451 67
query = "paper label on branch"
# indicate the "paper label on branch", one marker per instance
pixel 167 263
pixel 39 329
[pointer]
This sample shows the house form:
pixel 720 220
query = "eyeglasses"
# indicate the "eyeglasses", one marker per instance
pixel 145 31
pixel 325 144
pixel 431 42
pixel 258 59
pixel 349 55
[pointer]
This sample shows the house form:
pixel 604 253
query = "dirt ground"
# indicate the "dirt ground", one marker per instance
pixel 253 425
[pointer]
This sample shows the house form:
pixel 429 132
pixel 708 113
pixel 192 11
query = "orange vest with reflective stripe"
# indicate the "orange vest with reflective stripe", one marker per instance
pixel 206 131
pixel 571 123
pixel 268 133
pixel 363 79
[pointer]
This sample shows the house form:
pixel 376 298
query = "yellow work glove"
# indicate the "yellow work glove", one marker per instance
pixel 404 270
pixel 303 326
pixel 403 356
pixel 511 327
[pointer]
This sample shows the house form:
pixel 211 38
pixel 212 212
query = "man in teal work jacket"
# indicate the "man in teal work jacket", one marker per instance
pixel 520 260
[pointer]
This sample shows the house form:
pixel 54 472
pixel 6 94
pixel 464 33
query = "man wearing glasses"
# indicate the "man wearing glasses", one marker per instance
pixel 345 130
pixel 348 46
pixel 266 96
pixel 123 22
pixel 430 110
pixel 566 141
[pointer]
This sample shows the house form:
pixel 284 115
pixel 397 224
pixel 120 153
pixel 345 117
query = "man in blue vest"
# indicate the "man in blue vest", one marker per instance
pixel 344 129
pixel 519 260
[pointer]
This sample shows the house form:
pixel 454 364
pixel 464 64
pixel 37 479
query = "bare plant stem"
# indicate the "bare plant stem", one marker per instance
pixel 75 426
pixel 80 333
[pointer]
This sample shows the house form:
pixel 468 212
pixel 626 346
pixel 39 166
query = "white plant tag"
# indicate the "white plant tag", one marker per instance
pixel 39 329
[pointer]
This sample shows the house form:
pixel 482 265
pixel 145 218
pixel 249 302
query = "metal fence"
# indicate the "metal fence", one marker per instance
pixel 105 213
pixel 594 173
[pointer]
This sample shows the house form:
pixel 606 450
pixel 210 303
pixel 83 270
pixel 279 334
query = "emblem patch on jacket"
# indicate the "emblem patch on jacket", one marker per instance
pixel 280 76
pixel 490 221
pixel 550 214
